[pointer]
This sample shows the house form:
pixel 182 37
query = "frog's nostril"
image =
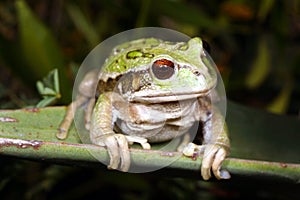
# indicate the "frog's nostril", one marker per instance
pixel 197 73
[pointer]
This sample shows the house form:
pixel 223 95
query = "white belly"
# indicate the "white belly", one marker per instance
pixel 158 122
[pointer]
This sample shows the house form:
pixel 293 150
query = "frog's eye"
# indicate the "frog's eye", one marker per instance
pixel 163 69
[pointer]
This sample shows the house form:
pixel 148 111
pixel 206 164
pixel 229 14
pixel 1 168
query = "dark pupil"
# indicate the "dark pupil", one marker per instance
pixel 163 69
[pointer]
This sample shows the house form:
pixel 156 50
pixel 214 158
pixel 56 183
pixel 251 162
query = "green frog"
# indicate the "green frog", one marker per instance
pixel 150 91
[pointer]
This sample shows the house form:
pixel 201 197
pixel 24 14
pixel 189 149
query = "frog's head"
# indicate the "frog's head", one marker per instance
pixel 176 72
pixel 160 71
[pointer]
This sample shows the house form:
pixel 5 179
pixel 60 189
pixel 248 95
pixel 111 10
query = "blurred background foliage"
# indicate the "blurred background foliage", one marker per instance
pixel 255 44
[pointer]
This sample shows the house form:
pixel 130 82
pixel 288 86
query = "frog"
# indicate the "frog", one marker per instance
pixel 150 91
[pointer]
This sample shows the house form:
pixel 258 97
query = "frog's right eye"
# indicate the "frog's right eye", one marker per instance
pixel 163 69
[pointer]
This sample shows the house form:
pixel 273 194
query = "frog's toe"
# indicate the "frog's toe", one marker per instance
pixel 112 148
pixel 117 147
pixel 213 158
pixel 124 152
pixel 207 161
pixel 191 149
pixel 142 141
pixel 219 158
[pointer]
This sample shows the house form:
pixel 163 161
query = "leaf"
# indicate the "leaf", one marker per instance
pixel 281 102
pixel 46 102
pixel 182 13
pixel 49 89
pixel 143 14
pixel 48 92
pixel 259 135
pixel 40 49
pixel 260 67
pixel 83 24
pixel 263 145
pixel 264 9
pixel 56 81
pixel 40 86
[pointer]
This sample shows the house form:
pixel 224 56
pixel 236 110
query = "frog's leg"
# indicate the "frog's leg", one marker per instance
pixel 216 149
pixel 86 89
pixel 215 146
pixel 66 123
pixel 101 133
pixel 88 113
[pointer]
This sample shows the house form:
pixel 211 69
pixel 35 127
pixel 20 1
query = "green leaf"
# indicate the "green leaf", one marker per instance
pixel 56 81
pixel 260 135
pixel 280 104
pixel 143 14
pixel 40 49
pixel 46 102
pixel 40 86
pixel 264 9
pixel 49 89
pixel 263 145
pixel 48 92
pixel 182 13
pixel 260 67
pixel 83 24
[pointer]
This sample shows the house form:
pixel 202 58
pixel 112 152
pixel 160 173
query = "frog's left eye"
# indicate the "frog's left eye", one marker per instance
pixel 163 69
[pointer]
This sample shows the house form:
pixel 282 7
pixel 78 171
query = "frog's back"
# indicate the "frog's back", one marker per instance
pixel 135 56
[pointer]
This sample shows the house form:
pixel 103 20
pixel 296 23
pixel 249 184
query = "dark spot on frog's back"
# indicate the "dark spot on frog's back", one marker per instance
pixel 138 54
pixel 134 54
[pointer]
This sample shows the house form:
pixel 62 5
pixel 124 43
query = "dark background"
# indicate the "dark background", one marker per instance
pixel 255 45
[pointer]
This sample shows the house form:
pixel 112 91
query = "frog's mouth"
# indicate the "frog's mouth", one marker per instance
pixel 166 96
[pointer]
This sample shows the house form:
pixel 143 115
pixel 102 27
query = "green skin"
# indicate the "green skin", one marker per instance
pixel 156 90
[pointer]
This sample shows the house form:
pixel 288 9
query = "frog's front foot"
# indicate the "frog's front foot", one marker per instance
pixel 213 157
pixel 118 149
